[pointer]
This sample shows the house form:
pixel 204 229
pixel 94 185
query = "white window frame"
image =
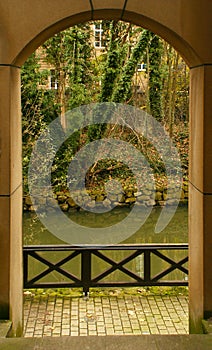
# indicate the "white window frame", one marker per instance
pixel 141 67
pixel 98 44
pixel 53 83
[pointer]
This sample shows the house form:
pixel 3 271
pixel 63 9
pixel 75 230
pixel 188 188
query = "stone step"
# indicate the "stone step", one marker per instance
pixel 147 342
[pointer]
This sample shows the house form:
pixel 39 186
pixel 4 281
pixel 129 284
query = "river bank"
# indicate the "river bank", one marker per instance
pixel 128 197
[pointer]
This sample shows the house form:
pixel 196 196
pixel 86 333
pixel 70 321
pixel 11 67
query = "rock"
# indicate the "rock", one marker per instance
pixel 71 202
pixel 185 186
pixel 64 207
pixel 91 204
pixel 182 195
pixel 40 200
pixel 107 203
pixel 32 208
pixel 165 196
pixel 79 199
pixel 51 202
pixel 171 202
pixel 120 204
pixel 113 198
pixel 99 198
pixel 59 193
pixel 143 198
pixel 186 195
pixel 150 203
pixel 138 194
pixel 61 198
pixel 25 208
pixel 161 203
pixel 158 196
pixel 141 203
pixel 129 194
pixel 92 196
pixel 28 200
pixel 148 186
pixel 130 200
pixel 121 198
pixel 147 192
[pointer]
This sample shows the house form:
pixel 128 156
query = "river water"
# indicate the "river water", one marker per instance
pixel 34 233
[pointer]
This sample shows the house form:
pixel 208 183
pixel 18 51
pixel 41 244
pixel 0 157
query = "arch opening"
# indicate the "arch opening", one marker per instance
pixel 190 35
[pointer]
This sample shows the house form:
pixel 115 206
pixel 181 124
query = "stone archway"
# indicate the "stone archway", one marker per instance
pixel 186 25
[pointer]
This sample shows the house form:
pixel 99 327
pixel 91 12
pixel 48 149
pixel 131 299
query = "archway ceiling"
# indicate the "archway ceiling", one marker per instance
pixel 25 24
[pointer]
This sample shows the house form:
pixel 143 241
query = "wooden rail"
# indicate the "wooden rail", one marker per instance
pixel 87 253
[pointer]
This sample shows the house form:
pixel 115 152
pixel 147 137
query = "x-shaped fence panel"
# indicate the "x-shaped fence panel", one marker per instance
pixel 87 254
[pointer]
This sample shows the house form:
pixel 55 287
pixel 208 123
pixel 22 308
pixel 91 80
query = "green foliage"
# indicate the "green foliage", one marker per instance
pixel 69 54
pixel 84 77
pixel 38 108
pixel 113 63
pixel 119 69
pixel 155 76
pixel 122 91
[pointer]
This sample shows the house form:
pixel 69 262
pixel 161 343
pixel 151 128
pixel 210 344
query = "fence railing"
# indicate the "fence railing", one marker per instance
pixel 89 279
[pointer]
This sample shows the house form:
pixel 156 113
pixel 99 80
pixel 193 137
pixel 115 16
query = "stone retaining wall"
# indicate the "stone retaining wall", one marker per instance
pixel 129 197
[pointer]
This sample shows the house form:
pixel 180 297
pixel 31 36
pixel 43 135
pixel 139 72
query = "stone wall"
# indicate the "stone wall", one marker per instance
pixel 129 196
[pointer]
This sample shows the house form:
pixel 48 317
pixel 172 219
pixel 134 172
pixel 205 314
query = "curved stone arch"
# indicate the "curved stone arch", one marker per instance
pixel 186 25
pixel 173 38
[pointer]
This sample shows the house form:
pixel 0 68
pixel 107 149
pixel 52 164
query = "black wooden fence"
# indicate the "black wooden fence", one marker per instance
pixel 88 279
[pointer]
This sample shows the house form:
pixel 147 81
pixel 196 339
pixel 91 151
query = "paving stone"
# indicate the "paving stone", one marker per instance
pixel 112 315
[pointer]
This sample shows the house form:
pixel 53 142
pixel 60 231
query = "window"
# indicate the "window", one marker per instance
pixel 98 36
pixel 141 67
pixel 53 85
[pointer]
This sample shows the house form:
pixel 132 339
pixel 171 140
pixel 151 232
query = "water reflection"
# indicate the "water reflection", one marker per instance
pixel 176 232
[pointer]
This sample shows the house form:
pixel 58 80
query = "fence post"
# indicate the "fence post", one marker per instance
pixel 86 271
pixel 147 266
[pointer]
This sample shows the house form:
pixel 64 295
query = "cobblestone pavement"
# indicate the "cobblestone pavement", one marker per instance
pixel 56 316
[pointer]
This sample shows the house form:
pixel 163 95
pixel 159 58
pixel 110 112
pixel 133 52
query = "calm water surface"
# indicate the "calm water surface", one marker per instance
pixel 175 232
